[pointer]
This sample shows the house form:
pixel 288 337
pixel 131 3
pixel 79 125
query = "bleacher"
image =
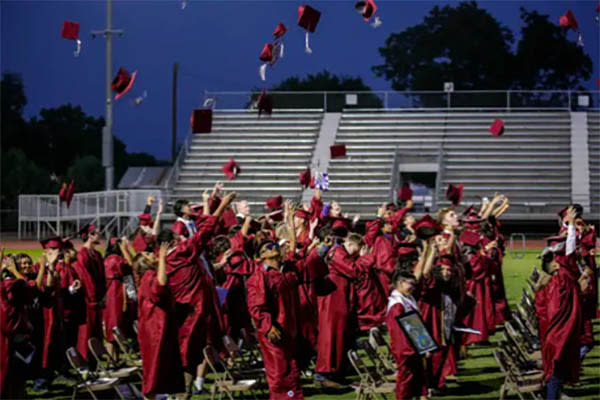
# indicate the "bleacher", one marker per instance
pixel 594 159
pixel 530 163
pixel 271 152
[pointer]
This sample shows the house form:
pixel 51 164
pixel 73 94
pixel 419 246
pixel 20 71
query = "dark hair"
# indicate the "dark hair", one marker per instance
pixel 113 249
pixel 402 276
pixel 178 206
pixel 406 262
pixel 165 235
pixel 23 255
pixel 219 245
pixel 324 232
pixel 234 229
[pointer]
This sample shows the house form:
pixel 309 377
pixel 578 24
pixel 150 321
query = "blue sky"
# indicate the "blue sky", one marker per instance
pixel 216 43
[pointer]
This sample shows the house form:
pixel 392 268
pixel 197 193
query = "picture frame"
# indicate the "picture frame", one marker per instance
pixel 415 330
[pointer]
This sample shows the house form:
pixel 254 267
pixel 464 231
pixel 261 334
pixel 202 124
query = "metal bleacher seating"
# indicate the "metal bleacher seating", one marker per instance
pixel 530 163
pixel 271 152
pixel 594 159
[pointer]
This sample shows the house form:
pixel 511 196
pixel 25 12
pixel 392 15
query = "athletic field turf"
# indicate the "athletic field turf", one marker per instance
pixel 479 376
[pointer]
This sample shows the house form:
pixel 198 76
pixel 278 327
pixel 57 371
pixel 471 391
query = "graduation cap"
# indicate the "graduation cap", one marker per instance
pixel 54 242
pixel 470 238
pixel 308 18
pixel 70 30
pixel 62 193
pixel 340 227
pixel 338 150
pixel 578 211
pixel 70 192
pixel 264 103
pixel 280 30
pixel 302 213
pixel 201 120
pixel 305 178
pixel 454 194
pixel 568 21
pixel 274 203
pixel 122 82
pixel 368 9
pixel 497 127
pixel 231 169
pixel 426 227
pixel 67 244
pixel 405 193
pixel 269 55
pixel 145 219
pixel 86 230
pixel 405 248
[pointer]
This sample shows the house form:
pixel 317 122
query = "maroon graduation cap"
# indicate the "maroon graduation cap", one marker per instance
pixel 265 103
pixel 427 227
pixel 497 127
pixel 454 194
pixel 338 150
pixel 567 20
pixel 469 238
pixel 405 193
pixel 201 120
pixel 305 178
pixel 280 30
pixel 70 30
pixel 269 56
pixel 122 82
pixel 274 203
pixel 308 18
pixel 54 242
pixel 367 9
pixel 231 169
pixel 70 192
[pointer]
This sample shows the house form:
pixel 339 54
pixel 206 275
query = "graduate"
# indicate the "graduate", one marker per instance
pixel 157 328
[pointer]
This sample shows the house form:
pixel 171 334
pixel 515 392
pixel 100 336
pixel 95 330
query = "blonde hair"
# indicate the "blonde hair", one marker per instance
pixel 442 214
pixel 356 239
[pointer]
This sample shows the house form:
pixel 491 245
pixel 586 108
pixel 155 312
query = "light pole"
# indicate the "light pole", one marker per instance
pixel 107 136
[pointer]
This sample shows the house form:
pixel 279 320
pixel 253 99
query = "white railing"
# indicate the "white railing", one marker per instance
pixel 388 99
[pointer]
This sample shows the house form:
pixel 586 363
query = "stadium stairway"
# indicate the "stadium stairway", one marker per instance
pixel 271 152
pixel 530 163
pixel 594 159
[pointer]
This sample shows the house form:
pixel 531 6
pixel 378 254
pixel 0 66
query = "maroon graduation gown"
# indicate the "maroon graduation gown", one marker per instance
pixel 273 301
pixel 560 349
pixel 90 269
pixel 119 310
pixel 371 299
pixel 157 335
pixel 482 318
pixel 410 377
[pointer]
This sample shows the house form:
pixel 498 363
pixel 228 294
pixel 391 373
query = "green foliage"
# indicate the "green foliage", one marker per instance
pixel 62 141
pixel 320 82
pixel 468 46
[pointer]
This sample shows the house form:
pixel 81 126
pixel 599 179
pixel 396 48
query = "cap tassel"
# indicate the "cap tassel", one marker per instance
pixel 579 39
pixel 183 4
pixel 281 50
pixel 76 52
pixel 262 71
pixel 138 100
pixel 307 48
pixel 376 23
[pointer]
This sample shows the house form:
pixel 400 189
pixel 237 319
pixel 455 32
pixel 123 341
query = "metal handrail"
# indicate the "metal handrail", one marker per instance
pixel 174 173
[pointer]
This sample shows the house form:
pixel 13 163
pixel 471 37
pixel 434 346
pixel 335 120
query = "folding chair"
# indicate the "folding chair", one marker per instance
pixel 132 356
pixel 375 359
pixel 251 349
pixel 371 383
pixel 382 347
pixel 518 383
pixel 89 380
pixel 242 364
pixel 225 383
pixel 108 365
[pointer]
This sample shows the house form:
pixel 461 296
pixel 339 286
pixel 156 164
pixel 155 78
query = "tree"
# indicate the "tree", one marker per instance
pixel 88 174
pixel 468 46
pixel 13 102
pixel 321 82
pixel 22 176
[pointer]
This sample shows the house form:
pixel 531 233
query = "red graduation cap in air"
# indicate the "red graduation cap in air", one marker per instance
pixel 305 178
pixel 405 193
pixel 231 169
pixel 201 120
pixel 269 56
pixel 70 192
pixel 70 30
pixel 122 82
pixel 264 103
pixel 308 18
pixel 368 9
pixel 278 33
pixel 338 150
pixel 274 203
pixel 454 194
pixel 497 127
pixel 62 193
pixel 568 21
pixel 427 227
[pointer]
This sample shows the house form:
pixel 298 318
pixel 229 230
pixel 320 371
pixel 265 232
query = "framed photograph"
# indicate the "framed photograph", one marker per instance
pixel 414 328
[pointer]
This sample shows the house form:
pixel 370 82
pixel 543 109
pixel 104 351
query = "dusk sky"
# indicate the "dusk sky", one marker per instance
pixel 217 44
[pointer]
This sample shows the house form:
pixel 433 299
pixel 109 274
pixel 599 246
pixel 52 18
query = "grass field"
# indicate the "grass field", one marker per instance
pixel 479 376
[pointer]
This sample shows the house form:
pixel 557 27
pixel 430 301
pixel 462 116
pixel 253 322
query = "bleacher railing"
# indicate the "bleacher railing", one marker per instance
pixel 387 99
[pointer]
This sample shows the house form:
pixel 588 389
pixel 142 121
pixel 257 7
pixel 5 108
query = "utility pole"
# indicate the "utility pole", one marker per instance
pixel 107 135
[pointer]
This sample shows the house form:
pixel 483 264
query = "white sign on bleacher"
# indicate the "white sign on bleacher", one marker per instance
pixel 351 99
pixel 448 87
